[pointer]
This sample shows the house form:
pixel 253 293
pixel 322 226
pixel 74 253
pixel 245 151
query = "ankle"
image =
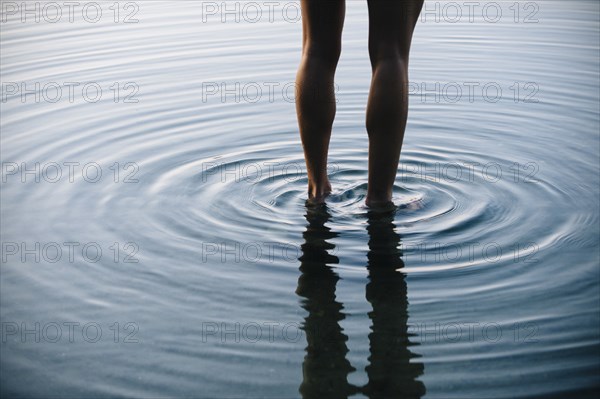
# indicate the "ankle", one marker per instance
pixel 317 190
pixel 378 199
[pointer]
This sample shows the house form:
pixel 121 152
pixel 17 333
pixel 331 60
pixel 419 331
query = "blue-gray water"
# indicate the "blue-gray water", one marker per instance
pixel 484 283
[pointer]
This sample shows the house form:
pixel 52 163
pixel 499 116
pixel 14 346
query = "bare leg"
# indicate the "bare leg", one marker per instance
pixel 315 99
pixel 390 34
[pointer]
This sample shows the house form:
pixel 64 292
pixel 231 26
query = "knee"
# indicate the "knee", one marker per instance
pixel 384 53
pixel 327 54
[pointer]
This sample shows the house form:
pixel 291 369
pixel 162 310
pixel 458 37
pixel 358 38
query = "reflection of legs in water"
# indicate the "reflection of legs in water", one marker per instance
pixel 322 23
pixel 391 375
pixel 391 26
pixel 325 367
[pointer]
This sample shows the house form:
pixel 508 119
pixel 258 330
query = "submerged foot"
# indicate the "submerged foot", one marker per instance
pixel 318 193
pixel 379 200
pixel 378 204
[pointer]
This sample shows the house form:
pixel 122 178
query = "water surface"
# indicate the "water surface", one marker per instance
pixel 215 280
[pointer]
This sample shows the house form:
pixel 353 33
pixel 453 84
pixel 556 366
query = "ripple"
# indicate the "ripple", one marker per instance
pixel 496 218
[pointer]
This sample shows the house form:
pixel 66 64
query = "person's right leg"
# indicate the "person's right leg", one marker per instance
pixel 391 25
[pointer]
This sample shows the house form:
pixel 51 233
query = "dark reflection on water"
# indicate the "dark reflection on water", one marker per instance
pixel 325 369
pixel 391 374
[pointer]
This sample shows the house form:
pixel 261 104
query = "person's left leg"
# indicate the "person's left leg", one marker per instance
pixel 322 24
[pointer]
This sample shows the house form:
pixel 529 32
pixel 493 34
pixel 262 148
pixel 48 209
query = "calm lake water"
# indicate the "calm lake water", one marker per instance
pixel 156 242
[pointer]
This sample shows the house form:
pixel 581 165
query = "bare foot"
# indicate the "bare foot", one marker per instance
pixel 317 195
pixel 379 203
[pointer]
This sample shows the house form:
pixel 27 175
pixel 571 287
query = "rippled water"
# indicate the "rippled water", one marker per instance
pixel 195 239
